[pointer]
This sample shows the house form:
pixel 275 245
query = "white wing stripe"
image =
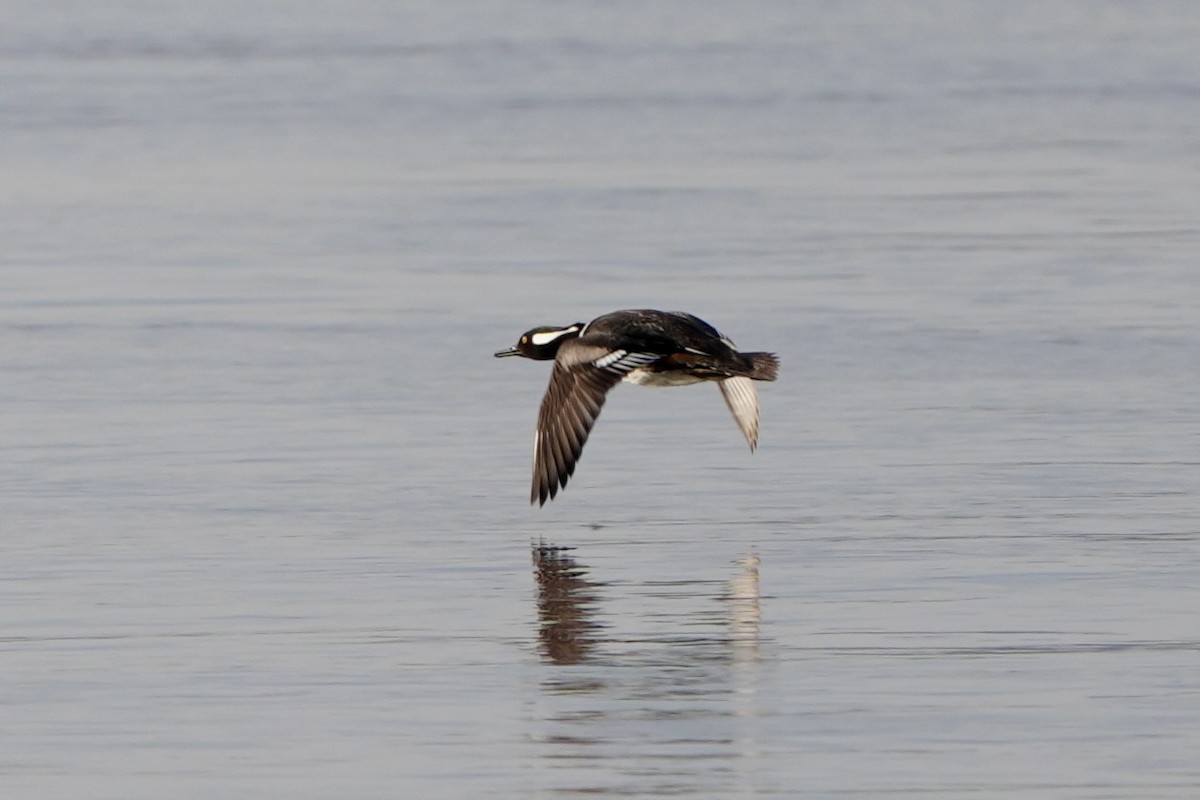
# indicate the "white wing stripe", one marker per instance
pixel 606 360
pixel 622 361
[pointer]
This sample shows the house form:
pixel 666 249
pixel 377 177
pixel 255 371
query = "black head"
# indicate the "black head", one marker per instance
pixel 541 344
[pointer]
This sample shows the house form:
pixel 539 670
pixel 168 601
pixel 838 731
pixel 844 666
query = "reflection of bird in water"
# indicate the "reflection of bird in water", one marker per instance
pixel 565 605
pixel 744 610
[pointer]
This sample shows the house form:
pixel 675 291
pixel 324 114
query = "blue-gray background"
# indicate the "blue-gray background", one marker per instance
pixel 263 487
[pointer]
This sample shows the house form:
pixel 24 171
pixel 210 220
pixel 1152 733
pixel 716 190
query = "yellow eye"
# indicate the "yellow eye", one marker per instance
pixel 524 339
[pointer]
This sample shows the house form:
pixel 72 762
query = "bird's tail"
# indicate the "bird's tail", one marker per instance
pixel 763 366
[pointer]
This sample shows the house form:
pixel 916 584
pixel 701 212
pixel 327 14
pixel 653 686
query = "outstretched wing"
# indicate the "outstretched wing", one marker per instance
pixel 581 378
pixel 742 399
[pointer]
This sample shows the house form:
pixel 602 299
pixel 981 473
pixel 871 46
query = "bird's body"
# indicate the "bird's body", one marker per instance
pixel 642 346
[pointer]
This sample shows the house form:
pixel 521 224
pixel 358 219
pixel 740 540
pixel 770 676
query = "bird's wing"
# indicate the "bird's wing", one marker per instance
pixel 582 375
pixel 742 399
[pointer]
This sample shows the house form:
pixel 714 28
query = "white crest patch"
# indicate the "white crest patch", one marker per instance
pixel 546 337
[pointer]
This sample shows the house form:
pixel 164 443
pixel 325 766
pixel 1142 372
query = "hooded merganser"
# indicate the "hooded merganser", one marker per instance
pixel 651 348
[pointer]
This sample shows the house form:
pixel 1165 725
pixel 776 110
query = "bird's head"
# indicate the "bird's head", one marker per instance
pixel 542 343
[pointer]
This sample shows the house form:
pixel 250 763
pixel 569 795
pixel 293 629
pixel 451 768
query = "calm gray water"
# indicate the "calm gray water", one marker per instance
pixel 263 487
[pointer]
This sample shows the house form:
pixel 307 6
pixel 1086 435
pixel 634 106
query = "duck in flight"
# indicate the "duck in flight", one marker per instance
pixel 642 346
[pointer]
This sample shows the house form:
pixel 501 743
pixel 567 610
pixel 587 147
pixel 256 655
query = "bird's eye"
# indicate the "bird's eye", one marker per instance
pixel 524 340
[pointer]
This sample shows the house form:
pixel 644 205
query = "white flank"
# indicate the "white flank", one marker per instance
pixel 644 377
pixel 742 399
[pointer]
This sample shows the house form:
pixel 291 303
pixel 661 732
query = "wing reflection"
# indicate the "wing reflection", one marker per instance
pixel 565 604
pixel 745 614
